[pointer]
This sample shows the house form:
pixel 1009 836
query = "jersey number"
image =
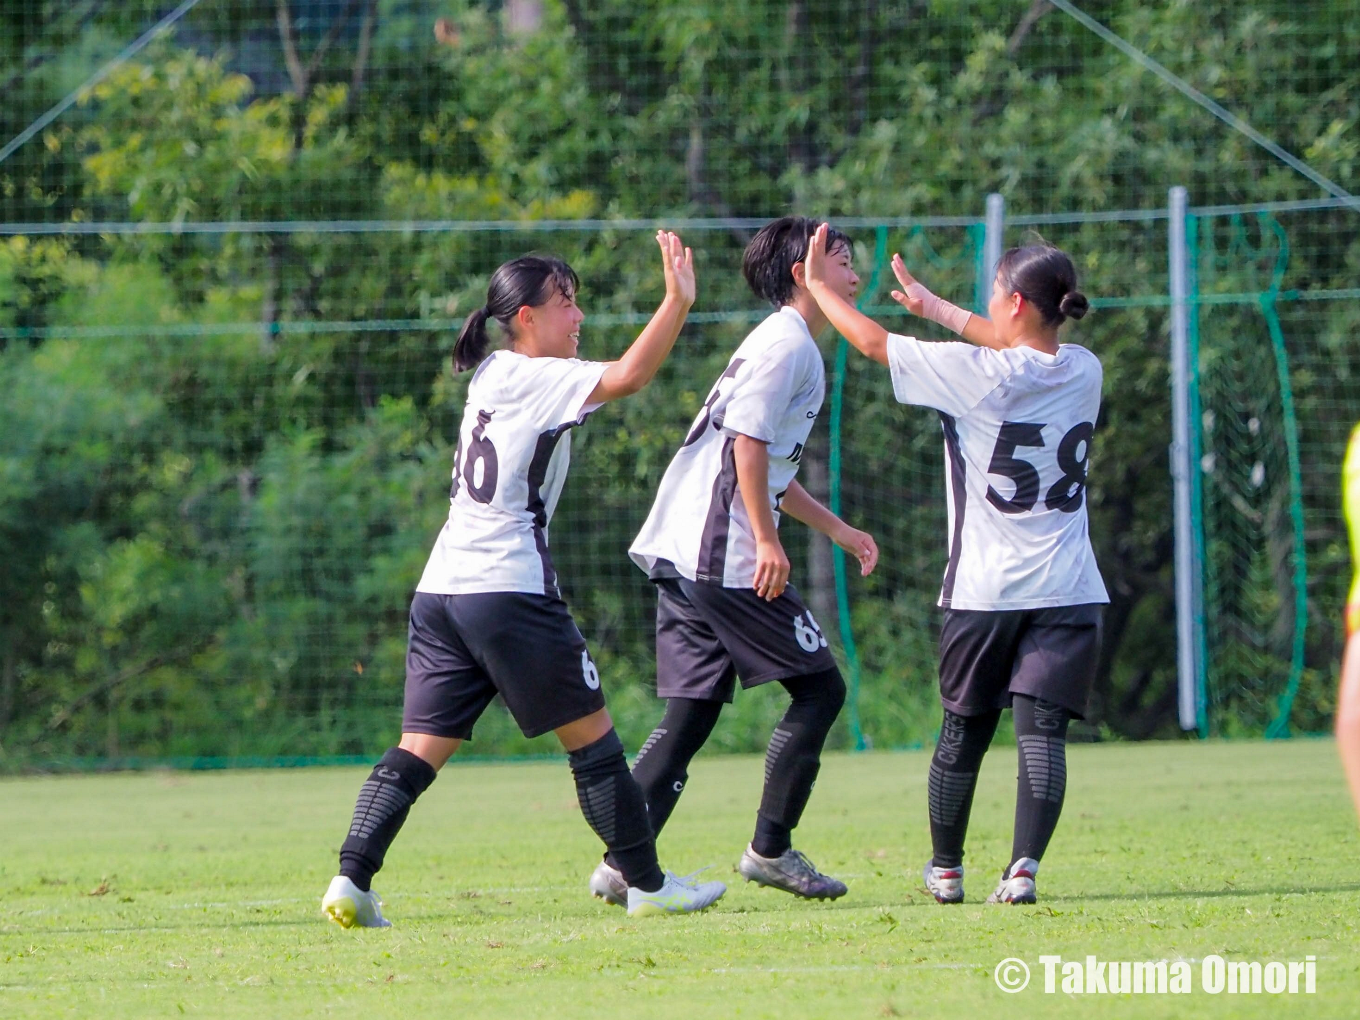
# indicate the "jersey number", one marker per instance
pixel 480 460
pixel 706 413
pixel 1066 494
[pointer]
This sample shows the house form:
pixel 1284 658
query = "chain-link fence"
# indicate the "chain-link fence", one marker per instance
pixel 235 253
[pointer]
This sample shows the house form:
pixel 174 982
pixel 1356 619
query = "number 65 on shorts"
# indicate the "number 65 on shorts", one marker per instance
pixel 708 636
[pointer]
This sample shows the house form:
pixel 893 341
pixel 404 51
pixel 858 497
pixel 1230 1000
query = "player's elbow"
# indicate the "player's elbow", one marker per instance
pixel 623 381
pixel 874 347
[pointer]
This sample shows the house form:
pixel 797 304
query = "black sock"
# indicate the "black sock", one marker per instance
pixel 795 756
pixel 613 805
pixel 953 778
pixel 384 801
pixel 662 765
pixel 1041 732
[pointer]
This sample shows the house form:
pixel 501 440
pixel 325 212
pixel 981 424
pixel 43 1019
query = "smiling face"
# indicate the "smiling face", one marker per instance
pixel 551 329
pixel 840 271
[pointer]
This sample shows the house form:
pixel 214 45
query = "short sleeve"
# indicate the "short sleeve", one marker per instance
pixel 762 396
pixel 561 387
pixel 950 377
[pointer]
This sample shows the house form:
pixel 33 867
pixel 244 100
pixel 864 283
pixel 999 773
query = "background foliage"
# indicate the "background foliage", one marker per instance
pixel 225 447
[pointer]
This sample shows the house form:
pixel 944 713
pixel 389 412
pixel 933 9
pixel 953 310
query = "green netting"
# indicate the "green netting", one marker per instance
pixel 1277 405
pixel 230 271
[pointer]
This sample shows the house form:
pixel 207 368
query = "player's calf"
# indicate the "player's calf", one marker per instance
pixel 384 801
pixel 614 807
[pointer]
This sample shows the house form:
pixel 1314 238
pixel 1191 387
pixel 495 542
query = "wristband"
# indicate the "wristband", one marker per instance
pixel 936 309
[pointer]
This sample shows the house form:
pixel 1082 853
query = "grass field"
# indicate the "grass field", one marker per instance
pixel 148 895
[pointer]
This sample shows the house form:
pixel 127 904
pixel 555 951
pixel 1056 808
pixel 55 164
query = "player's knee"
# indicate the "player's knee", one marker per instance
pixel 830 691
pixel 599 758
pixel 1044 718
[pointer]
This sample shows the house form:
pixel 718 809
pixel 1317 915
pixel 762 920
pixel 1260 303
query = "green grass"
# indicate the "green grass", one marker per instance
pixel 147 895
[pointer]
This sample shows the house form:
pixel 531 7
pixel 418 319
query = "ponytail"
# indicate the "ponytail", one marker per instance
pixel 528 280
pixel 1044 276
pixel 473 341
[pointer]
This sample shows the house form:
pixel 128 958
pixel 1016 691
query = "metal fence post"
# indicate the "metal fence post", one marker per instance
pixel 995 225
pixel 1182 468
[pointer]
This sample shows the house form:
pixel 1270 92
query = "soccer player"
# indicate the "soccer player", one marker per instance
pixel 1348 698
pixel 725 608
pixel 488 617
pixel 1022 595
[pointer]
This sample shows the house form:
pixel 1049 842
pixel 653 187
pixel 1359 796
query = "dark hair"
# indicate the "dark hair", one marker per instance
pixel 528 280
pixel 1044 276
pixel 769 259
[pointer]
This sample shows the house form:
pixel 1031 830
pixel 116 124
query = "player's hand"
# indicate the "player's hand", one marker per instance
pixel 677 263
pixel 912 295
pixel 772 570
pixel 860 545
pixel 814 263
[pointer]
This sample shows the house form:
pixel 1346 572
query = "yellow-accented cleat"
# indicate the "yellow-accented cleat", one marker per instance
pixel 676 896
pixel 350 907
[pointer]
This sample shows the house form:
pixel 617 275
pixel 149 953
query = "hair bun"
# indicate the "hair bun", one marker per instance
pixel 1074 304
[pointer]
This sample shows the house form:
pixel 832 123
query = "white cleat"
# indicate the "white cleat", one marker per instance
pixel 607 883
pixel 676 896
pixel 945 884
pixel 1017 883
pixel 350 907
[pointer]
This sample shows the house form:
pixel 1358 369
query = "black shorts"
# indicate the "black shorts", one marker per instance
pixel 707 636
pixel 988 655
pixel 463 650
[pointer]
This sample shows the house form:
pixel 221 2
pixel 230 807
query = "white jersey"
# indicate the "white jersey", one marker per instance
pixel 772 391
pixel 1017 427
pixel 513 451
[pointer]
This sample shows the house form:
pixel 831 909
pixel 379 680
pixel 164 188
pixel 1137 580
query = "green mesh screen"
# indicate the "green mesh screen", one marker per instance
pixel 234 252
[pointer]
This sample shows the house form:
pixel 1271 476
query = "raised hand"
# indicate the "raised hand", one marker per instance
pixel 677 263
pixel 913 295
pixel 814 264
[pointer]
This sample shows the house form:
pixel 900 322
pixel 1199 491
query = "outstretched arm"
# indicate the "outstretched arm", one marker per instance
pixel 799 504
pixel 867 336
pixel 917 299
pixel 643 358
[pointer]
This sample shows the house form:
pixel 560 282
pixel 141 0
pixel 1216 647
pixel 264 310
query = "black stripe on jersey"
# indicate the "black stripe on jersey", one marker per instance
pixel 713 544
pixel 538 473
pixel 959 487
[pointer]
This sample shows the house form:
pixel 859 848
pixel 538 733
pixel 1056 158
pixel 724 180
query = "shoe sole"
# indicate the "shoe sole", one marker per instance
pixel 344 912
pixel 610 898
pixel 649 909
pixel 793 892
pixel 948 902
pixel 1024 899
